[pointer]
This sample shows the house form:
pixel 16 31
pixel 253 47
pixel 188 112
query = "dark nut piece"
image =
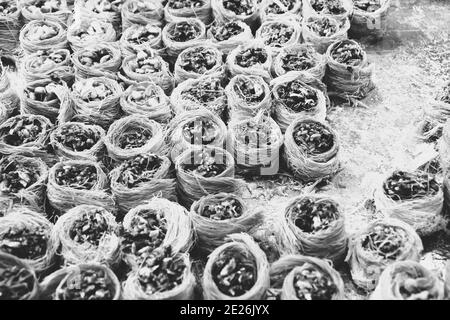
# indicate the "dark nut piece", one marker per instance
pixel 91 91
pixel 240 7
pixel 205 165
pixel 91 58
pixel 367 5
pixel 328 6
pixel 223 32
pixel 76 177
pixel 181 4
pixel 276 34
pixel 90 227
pixel 184 31
pixel 296 96
pixel 198 60
pixel 88 284
pixel 143 34
pixel 134 138
pixel 347 53
pixel 15 282
pixel 200 130
pixel 161 271
pixel 314 138
pixel 7 8
pixel 299 61
pixel 234 273
pixel 249 91
pixel 45 6
pixel 323 26
pixel 280 6
pixel 23 130
pixel 42 32
pixel 251 57
pixel 403 185
pixel 147 232
pixel 204 91
pixel 25 243
pixel 147 62
pixel 312 284
pixel 224 210
pixel 385 241
pixel 14 176
pixel 138 170
pixel 311 216
pixel 77 138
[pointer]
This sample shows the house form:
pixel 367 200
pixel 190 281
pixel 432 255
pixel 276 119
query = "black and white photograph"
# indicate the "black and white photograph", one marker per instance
pixel 242 151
